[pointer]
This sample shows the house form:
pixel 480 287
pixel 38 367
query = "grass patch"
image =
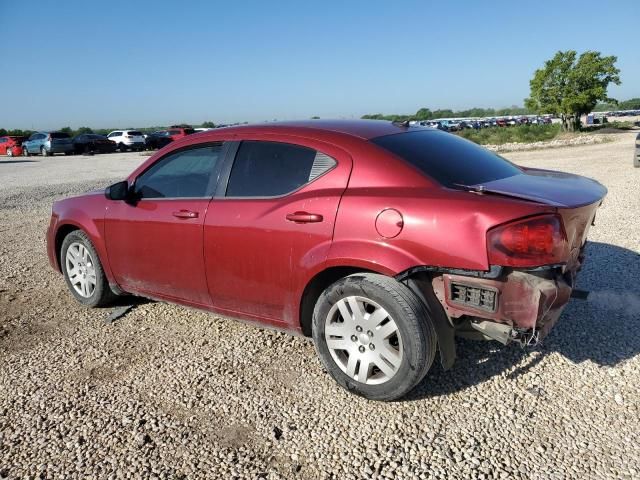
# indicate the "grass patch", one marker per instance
pixel 516 134
pixel 617 125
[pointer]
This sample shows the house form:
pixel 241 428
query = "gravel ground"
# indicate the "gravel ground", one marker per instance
pixel 169 392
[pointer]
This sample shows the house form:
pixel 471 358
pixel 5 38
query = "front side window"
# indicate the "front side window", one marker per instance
pixel 271 169
pixel 184 174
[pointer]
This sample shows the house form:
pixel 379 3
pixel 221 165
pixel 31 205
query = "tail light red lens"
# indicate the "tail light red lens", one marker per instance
pixel 530 242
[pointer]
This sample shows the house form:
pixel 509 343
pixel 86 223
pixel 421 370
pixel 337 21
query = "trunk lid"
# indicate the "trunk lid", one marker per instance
pixel 558 189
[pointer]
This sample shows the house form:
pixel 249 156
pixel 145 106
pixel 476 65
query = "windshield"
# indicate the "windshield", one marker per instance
pixel 447 158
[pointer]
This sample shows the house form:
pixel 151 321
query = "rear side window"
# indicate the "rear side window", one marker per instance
pixel 59 135
pixel 184 174
pixel 174 132
pixel 271 169
pixel 447 158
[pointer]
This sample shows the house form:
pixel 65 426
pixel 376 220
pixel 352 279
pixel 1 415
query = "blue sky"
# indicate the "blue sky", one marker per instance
pixel 143 63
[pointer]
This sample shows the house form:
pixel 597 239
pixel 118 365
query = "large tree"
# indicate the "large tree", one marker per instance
pixel 570 86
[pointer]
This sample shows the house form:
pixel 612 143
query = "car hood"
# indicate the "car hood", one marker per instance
pixel 558 189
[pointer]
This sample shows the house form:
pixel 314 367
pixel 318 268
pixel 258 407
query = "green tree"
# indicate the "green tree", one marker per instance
pixel 82 130
pixel 424 114
pixel 208 125
pixel 631 104
pixel 570 86
pixel 66 130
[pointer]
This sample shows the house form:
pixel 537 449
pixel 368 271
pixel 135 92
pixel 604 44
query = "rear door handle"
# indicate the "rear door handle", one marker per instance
pixel 304 217
pixel 185 214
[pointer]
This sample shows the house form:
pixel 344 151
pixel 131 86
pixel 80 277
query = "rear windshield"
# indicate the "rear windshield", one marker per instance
pixel 59 135
pixel 189 131
pixel 447 158
pixel 135 133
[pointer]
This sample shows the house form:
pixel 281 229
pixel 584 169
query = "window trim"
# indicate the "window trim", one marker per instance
pixel 213 181
pixel 221 191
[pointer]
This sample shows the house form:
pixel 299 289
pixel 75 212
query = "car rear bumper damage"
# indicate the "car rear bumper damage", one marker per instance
pixel 518 306
pixel 503 304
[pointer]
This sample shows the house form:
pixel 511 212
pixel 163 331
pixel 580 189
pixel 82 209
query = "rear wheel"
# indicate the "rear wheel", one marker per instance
pixel 83 271
pixel 10 152
pixel 44 152
pixel 25 152
pixel 373 335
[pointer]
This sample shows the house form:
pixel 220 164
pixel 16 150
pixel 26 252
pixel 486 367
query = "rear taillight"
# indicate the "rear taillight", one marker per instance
pixel 530 242
pixel 48 138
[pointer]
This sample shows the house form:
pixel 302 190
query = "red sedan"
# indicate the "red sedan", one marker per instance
pixel 379 240
pixel 11 145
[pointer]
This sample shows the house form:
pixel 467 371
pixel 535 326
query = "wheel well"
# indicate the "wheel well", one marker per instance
pixel 315 287
pixel 62 232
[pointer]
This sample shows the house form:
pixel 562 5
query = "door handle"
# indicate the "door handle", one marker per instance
pixel 304 217
pixel 185 214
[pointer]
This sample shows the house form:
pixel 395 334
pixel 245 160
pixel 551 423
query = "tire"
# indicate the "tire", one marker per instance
pixel 43 152
pixel 74 245
pixel 10 152
pixel 390 305
pixel 25 152
pixel 122 148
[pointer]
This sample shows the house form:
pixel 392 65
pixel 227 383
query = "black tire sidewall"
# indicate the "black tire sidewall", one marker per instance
pixel 102 292
pixel 410 317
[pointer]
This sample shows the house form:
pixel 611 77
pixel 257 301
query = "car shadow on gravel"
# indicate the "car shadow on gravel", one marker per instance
pixel 601 329
pixel 6 162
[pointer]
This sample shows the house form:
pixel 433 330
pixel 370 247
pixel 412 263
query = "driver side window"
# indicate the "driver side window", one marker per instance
pixel 183 174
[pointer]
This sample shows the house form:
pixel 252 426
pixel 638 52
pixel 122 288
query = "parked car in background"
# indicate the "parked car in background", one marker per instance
pixel 48 143
pixel 11 145
pixel 93 143
pixel 378 240
pixel 127 140
pixel 202 129
pixel 157 140
pixel 177 132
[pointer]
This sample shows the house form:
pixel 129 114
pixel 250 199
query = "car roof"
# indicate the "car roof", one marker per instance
pixel 364 129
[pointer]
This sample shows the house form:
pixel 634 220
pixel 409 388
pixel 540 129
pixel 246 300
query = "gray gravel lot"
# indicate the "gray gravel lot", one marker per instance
pixel 169 392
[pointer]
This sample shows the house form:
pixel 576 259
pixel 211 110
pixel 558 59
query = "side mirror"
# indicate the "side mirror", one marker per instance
pixel 118 191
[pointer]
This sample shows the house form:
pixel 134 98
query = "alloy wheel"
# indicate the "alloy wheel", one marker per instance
pixel 81 270
pixel 363 340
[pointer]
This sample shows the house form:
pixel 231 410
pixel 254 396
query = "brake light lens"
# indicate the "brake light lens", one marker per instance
pixel 530 242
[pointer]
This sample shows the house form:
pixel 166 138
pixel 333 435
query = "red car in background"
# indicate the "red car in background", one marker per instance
pixel 11 145
pixel 176 132
pixel 379 240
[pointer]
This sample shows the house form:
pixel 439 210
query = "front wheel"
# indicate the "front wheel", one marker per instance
pixel 44 152
pixel 83 271
pixel 373 336
pixel 25 152
pixel 10 152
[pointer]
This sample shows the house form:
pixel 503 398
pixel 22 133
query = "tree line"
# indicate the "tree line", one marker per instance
pixel 100 131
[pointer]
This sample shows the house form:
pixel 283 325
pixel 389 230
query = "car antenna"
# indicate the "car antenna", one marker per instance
pixel 402 123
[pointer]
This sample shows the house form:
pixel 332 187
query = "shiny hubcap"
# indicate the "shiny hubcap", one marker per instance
pixel 363 340
pixel 80 269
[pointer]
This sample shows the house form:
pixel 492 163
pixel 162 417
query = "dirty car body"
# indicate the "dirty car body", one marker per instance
pixel 491 249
